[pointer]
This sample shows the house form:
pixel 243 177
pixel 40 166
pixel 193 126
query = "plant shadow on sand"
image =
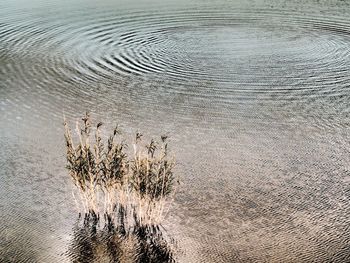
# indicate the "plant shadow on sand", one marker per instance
pixel 123 199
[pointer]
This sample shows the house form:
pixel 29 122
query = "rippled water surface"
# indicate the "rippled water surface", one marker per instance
pixel 254 95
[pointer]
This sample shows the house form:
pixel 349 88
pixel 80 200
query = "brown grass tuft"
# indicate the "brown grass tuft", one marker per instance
pixel 126 190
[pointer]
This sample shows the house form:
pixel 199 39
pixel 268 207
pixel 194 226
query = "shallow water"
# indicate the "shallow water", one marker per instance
pixel 254 95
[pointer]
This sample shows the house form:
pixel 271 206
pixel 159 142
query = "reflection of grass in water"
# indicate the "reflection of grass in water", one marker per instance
pixel 130 192
pixel 142 245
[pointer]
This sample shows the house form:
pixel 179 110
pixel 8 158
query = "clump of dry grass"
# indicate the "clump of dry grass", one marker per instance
pixel 128 190
pixel 84 164
pixel 152 179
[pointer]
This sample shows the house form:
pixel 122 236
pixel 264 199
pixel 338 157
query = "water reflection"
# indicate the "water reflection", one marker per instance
pixel 97 241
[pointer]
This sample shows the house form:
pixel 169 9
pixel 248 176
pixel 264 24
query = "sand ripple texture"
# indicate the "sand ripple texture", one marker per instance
pixel 255 96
